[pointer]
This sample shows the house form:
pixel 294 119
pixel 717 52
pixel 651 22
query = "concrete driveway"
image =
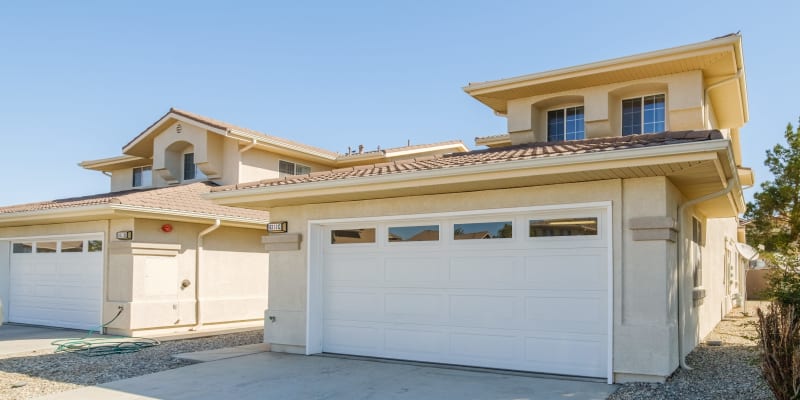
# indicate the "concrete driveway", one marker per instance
pixel 290 377
pixel 16 339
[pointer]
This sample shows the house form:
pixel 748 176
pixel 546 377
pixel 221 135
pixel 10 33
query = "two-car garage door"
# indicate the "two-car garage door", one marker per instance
pixel 523 290
pixel 57 281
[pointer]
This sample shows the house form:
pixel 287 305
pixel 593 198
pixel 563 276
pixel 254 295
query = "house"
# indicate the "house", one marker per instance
pixel 609 218
pixel 154 250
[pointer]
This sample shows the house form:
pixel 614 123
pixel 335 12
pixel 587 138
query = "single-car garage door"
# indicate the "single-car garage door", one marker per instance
pixel 57 281
pixel 519 290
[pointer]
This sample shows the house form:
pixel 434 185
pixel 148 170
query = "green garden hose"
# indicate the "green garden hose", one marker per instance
pixel 103 346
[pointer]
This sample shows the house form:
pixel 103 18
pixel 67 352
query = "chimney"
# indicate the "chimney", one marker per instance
pixel 360 149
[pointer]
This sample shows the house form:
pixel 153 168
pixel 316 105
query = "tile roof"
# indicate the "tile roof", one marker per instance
pixel 226 126
pixel 490 156
pixel 172 199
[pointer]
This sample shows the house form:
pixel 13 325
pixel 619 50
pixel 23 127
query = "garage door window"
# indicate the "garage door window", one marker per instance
pixel 483 230
pixel 46 247
pixel 72 246
pixel 349 236
pixel 424 233
pixel 563 227
pixel 95 246
pixel 23 248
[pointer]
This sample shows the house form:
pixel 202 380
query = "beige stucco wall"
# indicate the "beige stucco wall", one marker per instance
pixel 645 332
pixel 257 165
pixel 527 117
pixel 148 282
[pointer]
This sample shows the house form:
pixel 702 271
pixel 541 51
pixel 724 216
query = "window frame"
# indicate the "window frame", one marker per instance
pixel 564 134
pixel 197 174
pixel 642 113
pixel 141 171
pixel 294 168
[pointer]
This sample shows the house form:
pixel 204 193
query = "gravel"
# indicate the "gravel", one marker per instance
pixel 29 375
pixel 728 371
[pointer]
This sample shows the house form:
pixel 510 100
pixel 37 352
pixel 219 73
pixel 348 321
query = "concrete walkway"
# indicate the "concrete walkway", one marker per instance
pixel 295 377
pixel 16 339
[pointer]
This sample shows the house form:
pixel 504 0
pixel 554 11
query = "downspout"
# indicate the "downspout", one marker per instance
pixel 248 147
pixel 682 263
pixel 713 86
pixel 198 258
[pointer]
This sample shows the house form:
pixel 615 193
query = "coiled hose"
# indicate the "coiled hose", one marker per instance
pixel 103 346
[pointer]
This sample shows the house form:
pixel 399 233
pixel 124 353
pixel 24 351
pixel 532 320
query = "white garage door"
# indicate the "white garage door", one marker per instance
pixel 522 291
pixel 57 281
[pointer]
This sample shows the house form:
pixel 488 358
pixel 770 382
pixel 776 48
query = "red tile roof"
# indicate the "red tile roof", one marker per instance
pixel 490 156
pixel 172 199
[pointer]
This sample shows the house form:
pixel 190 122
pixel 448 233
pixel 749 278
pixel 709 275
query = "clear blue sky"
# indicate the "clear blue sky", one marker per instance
pixel 79 79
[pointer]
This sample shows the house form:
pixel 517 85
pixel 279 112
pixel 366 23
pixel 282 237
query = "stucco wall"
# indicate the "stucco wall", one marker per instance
pixel 149 271
pixel 684 100
pixel 257 165
pixel 645 336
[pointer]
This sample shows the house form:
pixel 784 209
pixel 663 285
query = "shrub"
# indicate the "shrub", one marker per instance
pixel 779 340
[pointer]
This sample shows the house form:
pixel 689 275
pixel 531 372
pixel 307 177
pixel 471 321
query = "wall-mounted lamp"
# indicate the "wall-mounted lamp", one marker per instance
pixel 278 227
pixel 124 235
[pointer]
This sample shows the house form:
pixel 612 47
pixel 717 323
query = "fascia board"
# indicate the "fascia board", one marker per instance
pixel 275 142
pixel 159 213
pixel 30 217
pixel 707 47
pixel 103 211
pixel 556 164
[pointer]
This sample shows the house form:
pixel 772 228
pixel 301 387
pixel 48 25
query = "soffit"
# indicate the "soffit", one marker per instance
pixel 717 59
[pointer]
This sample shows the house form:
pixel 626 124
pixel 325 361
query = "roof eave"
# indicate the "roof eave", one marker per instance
pixel 586 69
pixel 274 195
pixel 103 211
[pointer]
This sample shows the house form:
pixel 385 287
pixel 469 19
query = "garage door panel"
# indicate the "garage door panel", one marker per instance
pixel 413 307
pixel 567 314
pixel 364 306
pixel 483 310
pixel 353 339
pixel 567 355
pixel 414 269
pixel 484 346
pixel 482 269
pixel 352 268
pixel 577 272
pixel 409 342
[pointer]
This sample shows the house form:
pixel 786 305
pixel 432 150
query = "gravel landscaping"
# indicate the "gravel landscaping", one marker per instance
pixel 25 376
pixel 729 371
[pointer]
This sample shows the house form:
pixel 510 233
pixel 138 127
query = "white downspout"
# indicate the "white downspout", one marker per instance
pixel 682 262
pixel 248 147
pixel 713 86
pixel 198 258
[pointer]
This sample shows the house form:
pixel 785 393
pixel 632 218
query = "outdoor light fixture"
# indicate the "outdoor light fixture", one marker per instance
pixel 278 227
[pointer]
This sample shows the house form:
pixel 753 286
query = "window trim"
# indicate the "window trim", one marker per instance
pixel 294 168
pixel 141 176
pixel 641 112
pixel 564 108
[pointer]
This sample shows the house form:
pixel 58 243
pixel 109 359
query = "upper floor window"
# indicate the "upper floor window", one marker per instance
pixel 565 124
pixel 290 168
pixel 142 176
pixel 190 170
pixel 643 115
